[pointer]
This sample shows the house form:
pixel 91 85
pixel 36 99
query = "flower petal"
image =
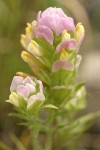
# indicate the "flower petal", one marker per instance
pixel 70 44
pixel 49 21
pixel 17 80
pixel 13 99
pixel 60 12
pixel 22 90
pixel 46 33
pixel 68 23
pixel 48 11
pixel 64 23
pixel 62 64
pixel 51 10
pixel 40 96
pixel 30 88
pixel 28 80
pixel 79 34
pixel 32 99
pixel 40 86
pixel 39 16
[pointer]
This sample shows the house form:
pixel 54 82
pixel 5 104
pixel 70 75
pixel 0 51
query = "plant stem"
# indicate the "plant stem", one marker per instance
pixel 49 140
pixel 35 142
pixel 50 132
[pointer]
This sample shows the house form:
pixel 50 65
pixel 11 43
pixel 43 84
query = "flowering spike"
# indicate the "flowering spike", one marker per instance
pixel 52 43
pixel 52 40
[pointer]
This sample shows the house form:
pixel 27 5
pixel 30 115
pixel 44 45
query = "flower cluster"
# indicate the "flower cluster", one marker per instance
pixel 25 90
pixel 52 43
pixel 49 22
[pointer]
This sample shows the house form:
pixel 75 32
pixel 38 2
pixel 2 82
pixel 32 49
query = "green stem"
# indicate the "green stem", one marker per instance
pixel 49 140
pixel 35 133
pixel 50 132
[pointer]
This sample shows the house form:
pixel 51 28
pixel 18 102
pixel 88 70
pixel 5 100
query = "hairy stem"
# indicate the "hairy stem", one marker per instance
pixel 50 143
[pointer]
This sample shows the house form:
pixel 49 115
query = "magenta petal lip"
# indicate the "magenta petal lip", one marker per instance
pixel 62 64
pixel 70 44
pixel 46 33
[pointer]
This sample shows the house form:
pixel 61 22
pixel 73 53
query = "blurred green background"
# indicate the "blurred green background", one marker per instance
pixel 14 14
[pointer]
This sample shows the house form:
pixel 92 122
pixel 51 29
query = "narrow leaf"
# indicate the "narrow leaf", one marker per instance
pixel 51 106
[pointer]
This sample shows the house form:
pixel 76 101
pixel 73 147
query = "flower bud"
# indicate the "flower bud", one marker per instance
pixel 65 36
pixel 34 48
pixel 30 33
pixel 79 31
pixel 79 34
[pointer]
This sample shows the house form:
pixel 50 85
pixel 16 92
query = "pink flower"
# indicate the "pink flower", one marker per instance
pixel 23 87
pixel 26 87
pixel 53 20
pixel 62 64
pixel 70 44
